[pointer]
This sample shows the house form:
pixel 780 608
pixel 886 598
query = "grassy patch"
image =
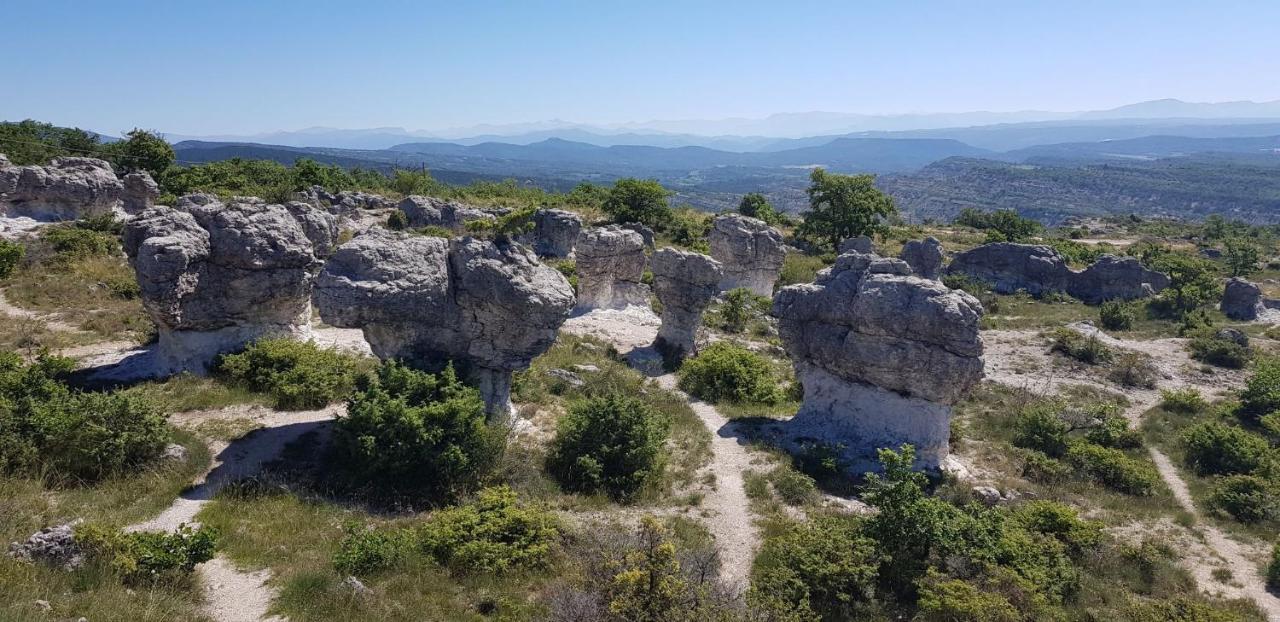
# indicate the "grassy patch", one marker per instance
pixel 186 392
pixel 101 290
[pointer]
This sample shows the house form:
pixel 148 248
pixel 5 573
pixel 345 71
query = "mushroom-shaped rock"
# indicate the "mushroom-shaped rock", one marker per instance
pixel 488 307
pixel 1009 267
pixel 555 232
pixel 433 212
pixel 610 266
pixel 215 277
pixel 684 282
pixel 1115 278
pixel 882 356
pixel 1241 300
pixel 67 189
pixel 139 194
pixel 924 256
pixel 750 252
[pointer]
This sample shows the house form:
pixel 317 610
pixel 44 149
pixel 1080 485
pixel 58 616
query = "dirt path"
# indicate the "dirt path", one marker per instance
pixel 231 594
pixel 50 320
pixel 1019 358
pixel 726 508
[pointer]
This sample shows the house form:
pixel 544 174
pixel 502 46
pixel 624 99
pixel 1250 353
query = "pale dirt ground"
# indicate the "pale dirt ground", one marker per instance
pixel 1021 359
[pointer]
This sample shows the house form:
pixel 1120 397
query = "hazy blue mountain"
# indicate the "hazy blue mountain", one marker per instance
pixel 1147 147
pixel 1175 108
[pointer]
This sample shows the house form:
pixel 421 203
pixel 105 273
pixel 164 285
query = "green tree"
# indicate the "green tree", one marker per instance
pixel 754 204
pixel 1192 280
pixel 1242 256
pixel 649 586
pixel 844 206
pixel 144 151
pixel 31 142
pixel 609 444
pixel 638 200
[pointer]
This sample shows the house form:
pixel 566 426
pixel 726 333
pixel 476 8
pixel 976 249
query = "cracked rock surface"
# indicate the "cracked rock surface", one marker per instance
pixel 925 257
pixel 610 267
pixel 432 212
pixel 66 189
pixel 749 251
pixel 684 282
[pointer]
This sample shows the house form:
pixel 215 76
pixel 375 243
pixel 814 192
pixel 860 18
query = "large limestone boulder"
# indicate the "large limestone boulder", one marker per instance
pixel 433 212
pixel 67 189
pixel 139 194
pixel 1009 267
pixel 750 252
pixel 925 257
pixel 555 233
pixel 488 307
pixel 1115 278
pixel 215 277
pixel 684 282
pixel 610 266
pixel 882 356
pixel 1241 300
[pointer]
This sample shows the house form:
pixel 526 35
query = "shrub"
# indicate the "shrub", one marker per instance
pixel 1187 400
pixel 609 444
pixel 410 432
pixel 1218 351
pixel 801 268
pixel 493 534
pixel 398 221
pixel 1060 521
pixel 729 372
pixel 1113 469
pixel 70 242
pixel 1040 428
pixel 1038 467
pixel 70 435
pixel 737 309
pixel 148 556
pixel 1214 448
pixel 1273 569
pixel 954 600
pixel 1246 498
pixel 794 487
pixel 1089 350
pixel 1116 315
pixel 966 283
pixel 364 550
pixel 638 200
pixel 1261 395
pixel 11 254
pixel 1134 369
pixel 298 375
pixel 823 569
pixel 1114 432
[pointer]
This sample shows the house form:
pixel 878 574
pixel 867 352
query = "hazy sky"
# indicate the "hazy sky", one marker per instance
pixel 247 66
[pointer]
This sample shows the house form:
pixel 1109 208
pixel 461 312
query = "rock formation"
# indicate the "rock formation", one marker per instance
pixel 489 307
pixel 685 283
pixel 555 233
pixel 54 546
pixel 1241 300
pixel 924 256
pixel 750 252
pixel 882 356
pixel 860 244
pixel 644 231
pixel 67 189
pixel 345 204
pixel 215 277
pixel 139 194
pixel 610 266
pixel 433 212
pixel 1039 269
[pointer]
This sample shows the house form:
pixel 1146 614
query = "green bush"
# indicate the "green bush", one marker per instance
pixel 793 487
pixel 147 556
pixel 1116 315
pixel 823 569
pixel 410 432
pixel 611 444
pixel 364 550
pixel 1273 569
pixel 11 254
pixel 493 534
pixel 1113 469
pixel 1040 428
pixel 638 200
pixel 1246 498
pixel 398 221
pixel 298 375
pixel 1089 350
pixel 1060 521
pixel 1039 467
pixel 1261 395
pixel 71 242
pixel 69 435
pixel 727 372
pixel 1114 431
pixel 1215 350
pixel 737 309
pixel 1187 400
pixel 1214 448
pixel 1134 369
pixel 954 600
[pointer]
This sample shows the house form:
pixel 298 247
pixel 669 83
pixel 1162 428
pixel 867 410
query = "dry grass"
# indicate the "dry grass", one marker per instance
pixel 91 293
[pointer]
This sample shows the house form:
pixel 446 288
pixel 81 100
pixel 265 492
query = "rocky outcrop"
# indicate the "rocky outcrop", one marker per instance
pixel 1241 300
pixel 1115 278
pixel 488 307
pixel 684 282
pixel 610 266
pixel 1038 269
pixel 859 244
pixel 555 233
pixel 882 356
pixel 345 204
pixel 54 546
pixel 67 189
pixel 433 212
pixel 139 194
pixel 924 256
pixel 644 231
pixel 750 252
pixel 215 277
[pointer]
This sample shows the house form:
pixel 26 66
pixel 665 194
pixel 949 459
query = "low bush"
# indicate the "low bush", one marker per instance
pixel 1041 429
pixel 1113 469
pixel 408 432
pixel 147 556
pixel 1039 467
pixel 364 550
pixel 493 534
pixel 612 445
pixel 1246 498
pixel 1088 350
pixel 793 487
pixel 966 283
pixel 1273 569
pixel 297 375
pixel 1114 431
pixel 71 242
pixel 738 308
pixel 729 372
pixel 802 268
pixel 1214 448
pixel 1117 315
pixel 11 254
pixel 1060 521
pixel 824 569
pixel 1261 394
pixel 46 427
pixel 1134 369
pixel 1186 400
pixel 1216 350
pixel 398 221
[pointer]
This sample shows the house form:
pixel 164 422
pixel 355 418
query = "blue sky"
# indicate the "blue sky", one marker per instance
pixel 247 66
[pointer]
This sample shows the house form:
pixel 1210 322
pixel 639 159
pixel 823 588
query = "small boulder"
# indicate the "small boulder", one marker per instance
pixel 54 546
pixel 925 257
pixel 1115 278
pixel 859 244
pixel 1241 300
pixel 1010 267
pixel 139 194
pixel 555 233
pixel 66 189
pixel 685 282
pixel 1233 335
